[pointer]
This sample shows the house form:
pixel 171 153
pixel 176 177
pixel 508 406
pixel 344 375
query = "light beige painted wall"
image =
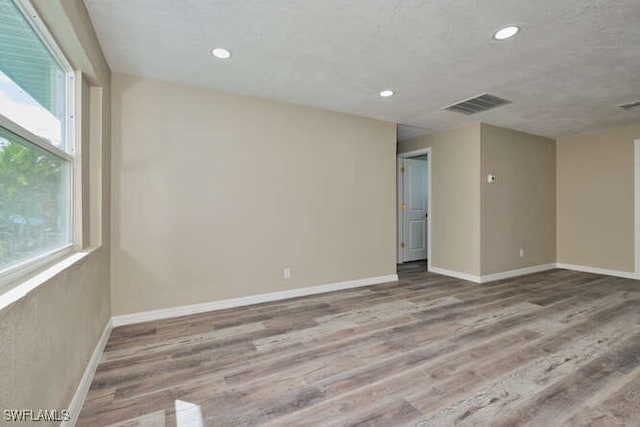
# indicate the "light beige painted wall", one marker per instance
pixel 455 197
pixel 215 194
pixel 595 199
pixel 48 336
pixel 519 209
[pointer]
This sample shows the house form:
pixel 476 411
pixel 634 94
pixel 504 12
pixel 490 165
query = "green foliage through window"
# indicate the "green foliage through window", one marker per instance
pixel 34 211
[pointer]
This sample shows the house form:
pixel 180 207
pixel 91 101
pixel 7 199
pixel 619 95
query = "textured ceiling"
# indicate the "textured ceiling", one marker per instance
pixel 571 65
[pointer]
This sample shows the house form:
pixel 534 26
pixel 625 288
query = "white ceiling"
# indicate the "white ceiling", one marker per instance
pixel 571 65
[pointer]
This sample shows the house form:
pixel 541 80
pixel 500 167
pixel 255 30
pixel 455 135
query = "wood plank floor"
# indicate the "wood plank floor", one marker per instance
pixel 548 349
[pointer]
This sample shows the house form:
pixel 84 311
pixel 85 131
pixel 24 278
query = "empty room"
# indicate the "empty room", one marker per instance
pixel 319 213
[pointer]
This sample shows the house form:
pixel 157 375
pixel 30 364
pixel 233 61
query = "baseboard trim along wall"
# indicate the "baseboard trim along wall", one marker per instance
pixel 456 274
pixel 147 316
pixel 166 313
pixel 530 270
pixel 493 277
pixel 594 270
pixel 85 382
pixel 515 273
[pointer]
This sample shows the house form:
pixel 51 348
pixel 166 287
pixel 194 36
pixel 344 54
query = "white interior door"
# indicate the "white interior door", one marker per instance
pixel 415 177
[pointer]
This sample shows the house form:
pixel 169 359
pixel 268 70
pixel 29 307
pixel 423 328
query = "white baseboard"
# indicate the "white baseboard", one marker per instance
pixel 594 270
pixel 456 274
pixel 530 270
pixel 85 382
pixel 515 273
pixel 492 277
pixel 128 319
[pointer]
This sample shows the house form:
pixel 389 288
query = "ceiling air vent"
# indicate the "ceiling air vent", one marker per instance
pixel 630 106
pixel 477 104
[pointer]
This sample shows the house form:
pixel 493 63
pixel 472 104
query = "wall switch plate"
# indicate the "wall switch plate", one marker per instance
pixel 491 179
pixel 521 252
pixel 287 273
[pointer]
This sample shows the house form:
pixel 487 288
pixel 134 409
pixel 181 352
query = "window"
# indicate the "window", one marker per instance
pixel 36 142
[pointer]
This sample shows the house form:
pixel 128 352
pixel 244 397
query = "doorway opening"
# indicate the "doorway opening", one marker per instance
pixel 414 207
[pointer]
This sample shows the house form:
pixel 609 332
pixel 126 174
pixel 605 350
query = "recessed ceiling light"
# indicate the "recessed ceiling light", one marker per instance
pixel 386 93
pixel 506 32
pixel 221 53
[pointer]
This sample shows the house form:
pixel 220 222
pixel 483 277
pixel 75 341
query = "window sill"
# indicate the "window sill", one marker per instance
pixel 22 287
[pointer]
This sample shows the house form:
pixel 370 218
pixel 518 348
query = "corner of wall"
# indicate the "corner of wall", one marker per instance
pixel 482 132
pixel 556 143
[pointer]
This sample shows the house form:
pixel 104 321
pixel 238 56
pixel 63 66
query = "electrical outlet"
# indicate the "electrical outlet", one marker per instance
pixel 287 273
pixel 491 179
pixel 521 252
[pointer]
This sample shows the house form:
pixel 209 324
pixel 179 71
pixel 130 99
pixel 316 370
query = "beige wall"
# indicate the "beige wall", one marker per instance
pixel 595 199
pixel 215 194
pixel 519 209
pixel 49 335
pixel 455 198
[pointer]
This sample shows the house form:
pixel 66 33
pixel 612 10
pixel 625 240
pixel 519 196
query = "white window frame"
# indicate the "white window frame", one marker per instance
pixel 73 87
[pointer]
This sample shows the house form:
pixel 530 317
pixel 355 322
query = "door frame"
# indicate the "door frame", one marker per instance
pixel 399 200
pixel 636 167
